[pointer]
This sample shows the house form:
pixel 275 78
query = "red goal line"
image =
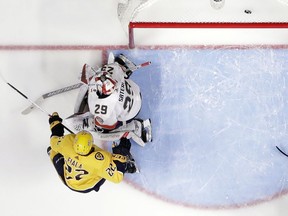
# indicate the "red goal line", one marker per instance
pixel 256 25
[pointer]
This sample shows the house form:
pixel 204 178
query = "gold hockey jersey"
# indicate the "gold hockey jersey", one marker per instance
pixel 84 172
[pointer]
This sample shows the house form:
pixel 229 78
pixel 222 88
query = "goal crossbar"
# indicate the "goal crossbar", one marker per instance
pixel 244 25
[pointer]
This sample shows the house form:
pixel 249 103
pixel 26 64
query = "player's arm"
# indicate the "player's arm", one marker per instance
pixel 113 166
pixel 56 127
pixel 120 154
pixel 110 167
pixel 57 131
pixel 123 149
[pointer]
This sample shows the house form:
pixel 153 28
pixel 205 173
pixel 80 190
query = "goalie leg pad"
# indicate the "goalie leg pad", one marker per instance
pixel 142 131
pixel 145 130
pixel 81 101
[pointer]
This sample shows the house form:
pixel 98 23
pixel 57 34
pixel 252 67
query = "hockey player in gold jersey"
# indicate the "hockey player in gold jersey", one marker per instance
pixel 81 164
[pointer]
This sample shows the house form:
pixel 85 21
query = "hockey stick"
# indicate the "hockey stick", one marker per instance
pixel 282 151
pixel 136 67
pixel 50 94
pixel 131 70
pixel 143 65
pixel 36 105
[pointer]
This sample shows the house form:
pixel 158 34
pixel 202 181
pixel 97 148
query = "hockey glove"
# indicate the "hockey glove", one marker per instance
pixel 56 127
pixel 131 167
pixel 126 69
pixel 54 117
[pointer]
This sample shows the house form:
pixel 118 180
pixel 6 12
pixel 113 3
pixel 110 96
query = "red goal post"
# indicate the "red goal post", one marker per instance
pixel 202 25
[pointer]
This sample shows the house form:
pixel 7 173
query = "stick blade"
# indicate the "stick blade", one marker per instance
pixel 32 106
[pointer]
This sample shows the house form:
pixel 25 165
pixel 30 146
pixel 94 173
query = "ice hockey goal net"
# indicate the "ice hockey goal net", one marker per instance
pixel 161 21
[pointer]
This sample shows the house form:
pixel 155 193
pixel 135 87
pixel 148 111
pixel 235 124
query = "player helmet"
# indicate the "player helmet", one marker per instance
pixel 83 142
pixel 105 84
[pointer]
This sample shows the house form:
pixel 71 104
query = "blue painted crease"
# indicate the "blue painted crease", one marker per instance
pixel 217 115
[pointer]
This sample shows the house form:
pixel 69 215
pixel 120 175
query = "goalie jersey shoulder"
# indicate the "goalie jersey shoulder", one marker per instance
pixel 129 100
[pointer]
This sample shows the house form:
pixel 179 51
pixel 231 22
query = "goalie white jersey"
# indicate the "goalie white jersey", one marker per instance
pixel 123 104
pixel 107 97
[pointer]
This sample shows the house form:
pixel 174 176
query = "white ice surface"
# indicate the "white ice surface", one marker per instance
pixel 28 182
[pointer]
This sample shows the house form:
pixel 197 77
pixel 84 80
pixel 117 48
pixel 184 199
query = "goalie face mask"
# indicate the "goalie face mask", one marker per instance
pixel 105 85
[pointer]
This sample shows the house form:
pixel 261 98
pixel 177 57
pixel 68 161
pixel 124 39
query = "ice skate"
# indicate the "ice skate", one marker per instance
pixel 143 129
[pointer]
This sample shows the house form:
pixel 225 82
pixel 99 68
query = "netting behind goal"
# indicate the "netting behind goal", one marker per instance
pixel 186 22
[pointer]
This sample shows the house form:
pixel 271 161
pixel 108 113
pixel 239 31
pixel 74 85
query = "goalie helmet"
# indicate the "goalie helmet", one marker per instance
pixel 83 142
pixel 105 84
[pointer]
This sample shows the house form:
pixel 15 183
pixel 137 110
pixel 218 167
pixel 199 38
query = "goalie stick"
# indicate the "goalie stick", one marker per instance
pixel 129 64
pixel 133 67
pixel 50 94
pixel 36 105
pixel 143 65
